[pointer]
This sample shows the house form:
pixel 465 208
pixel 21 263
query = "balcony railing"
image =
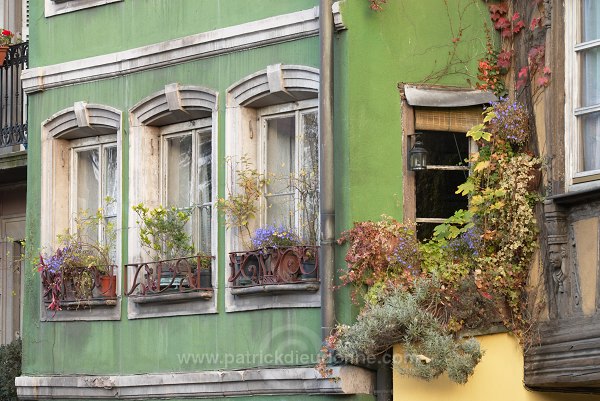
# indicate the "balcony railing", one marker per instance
pixel 175 279
pixel 78 288
pixel 13 121
pixel 275 267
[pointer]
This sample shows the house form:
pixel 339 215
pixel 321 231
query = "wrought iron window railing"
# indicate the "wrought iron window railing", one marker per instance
pixel 13 120
pixel 79 287
pixel 170 277
pixel 274 266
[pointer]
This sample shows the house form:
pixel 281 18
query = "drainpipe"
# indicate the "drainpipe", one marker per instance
pixel 327 207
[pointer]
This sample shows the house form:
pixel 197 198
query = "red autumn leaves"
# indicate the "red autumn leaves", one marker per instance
pixel 510 24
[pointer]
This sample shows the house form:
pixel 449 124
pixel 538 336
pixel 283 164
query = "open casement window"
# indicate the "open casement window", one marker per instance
pixel 441 117
pixel 290 162
pixel 272 127
pixel 435 187
pixel 187 178
pixel 172 157
pixel 582 144
pixel 80 175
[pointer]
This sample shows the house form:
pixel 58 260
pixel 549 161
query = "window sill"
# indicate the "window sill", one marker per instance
pixel 87 304
pixel 274 289
pixel 172 298
pixel 176 287
pixel 576 197
pixel 56 7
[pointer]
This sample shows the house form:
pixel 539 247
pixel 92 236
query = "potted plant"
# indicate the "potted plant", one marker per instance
pixel 82 266
pixel 165 239
pixel 241 205
pixel 6 39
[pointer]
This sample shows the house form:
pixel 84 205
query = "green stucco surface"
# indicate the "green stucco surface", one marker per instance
pixel 163 344
pixel 132 23
pixel 408 42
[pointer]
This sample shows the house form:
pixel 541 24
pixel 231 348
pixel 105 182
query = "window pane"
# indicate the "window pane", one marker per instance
pixel 591 141
pixel 88 185
pixel 591 20
pixel 179 171
pixel 204 168
pixel 204 227
pixel 281 151
pixel 88 180
pixel 590 83
pixel 307 179
pixel 280 165
pixel 445 148
pixel 436 193
pixel 280 210
pixel 310 148
pixel 204 193
pixel 111 180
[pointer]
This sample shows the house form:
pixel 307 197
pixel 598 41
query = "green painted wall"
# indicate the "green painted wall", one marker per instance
pixel 134 23
pixel 408 42
pixel 162 345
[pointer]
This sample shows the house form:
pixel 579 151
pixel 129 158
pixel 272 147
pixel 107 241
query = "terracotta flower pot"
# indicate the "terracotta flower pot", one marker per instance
pixel 108 286
pixel 3 53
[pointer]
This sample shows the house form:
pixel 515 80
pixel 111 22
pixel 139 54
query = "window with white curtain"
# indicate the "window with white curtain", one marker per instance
pixel 583 91
pixel 187 178
pixel 95 181
pixel 289 160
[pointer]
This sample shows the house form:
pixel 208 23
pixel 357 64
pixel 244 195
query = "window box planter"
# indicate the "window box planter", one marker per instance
pixel 275 269
pixel 174 280
pixel 77 288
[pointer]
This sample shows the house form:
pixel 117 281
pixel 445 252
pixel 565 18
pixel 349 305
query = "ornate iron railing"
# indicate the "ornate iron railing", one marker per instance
pixel 190 274
pixel 282 265
pixel 79 287
pixel 13 121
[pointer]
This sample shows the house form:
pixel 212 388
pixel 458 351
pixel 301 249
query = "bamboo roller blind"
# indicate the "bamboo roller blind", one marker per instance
pixel 447 119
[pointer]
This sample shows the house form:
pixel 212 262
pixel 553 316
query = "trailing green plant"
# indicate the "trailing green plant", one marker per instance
pixel 10 368
pixel 409 318
pixel 163 233
pixel 470 274
pixel 241 204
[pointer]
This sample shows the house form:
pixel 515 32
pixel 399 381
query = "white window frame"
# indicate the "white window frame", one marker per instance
pixel 57 7
pixel 196 128
pixel 576 180
pixel 297 110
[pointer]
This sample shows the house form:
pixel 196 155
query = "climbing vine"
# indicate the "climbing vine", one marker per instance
pixel 472 273
pixel 498 60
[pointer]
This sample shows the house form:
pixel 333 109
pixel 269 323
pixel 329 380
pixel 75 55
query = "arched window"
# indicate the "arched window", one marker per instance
pixel 272 126
pixel 172 163
pixel 81 170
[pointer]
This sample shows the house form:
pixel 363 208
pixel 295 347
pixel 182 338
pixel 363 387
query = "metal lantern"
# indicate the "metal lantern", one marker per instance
pixel 417 157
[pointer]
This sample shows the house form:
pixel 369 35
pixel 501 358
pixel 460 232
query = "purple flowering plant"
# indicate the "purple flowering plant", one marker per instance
pixel 273 237
pixel 509 122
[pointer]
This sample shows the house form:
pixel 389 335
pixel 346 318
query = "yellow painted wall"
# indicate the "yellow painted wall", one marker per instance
pixel 498 377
